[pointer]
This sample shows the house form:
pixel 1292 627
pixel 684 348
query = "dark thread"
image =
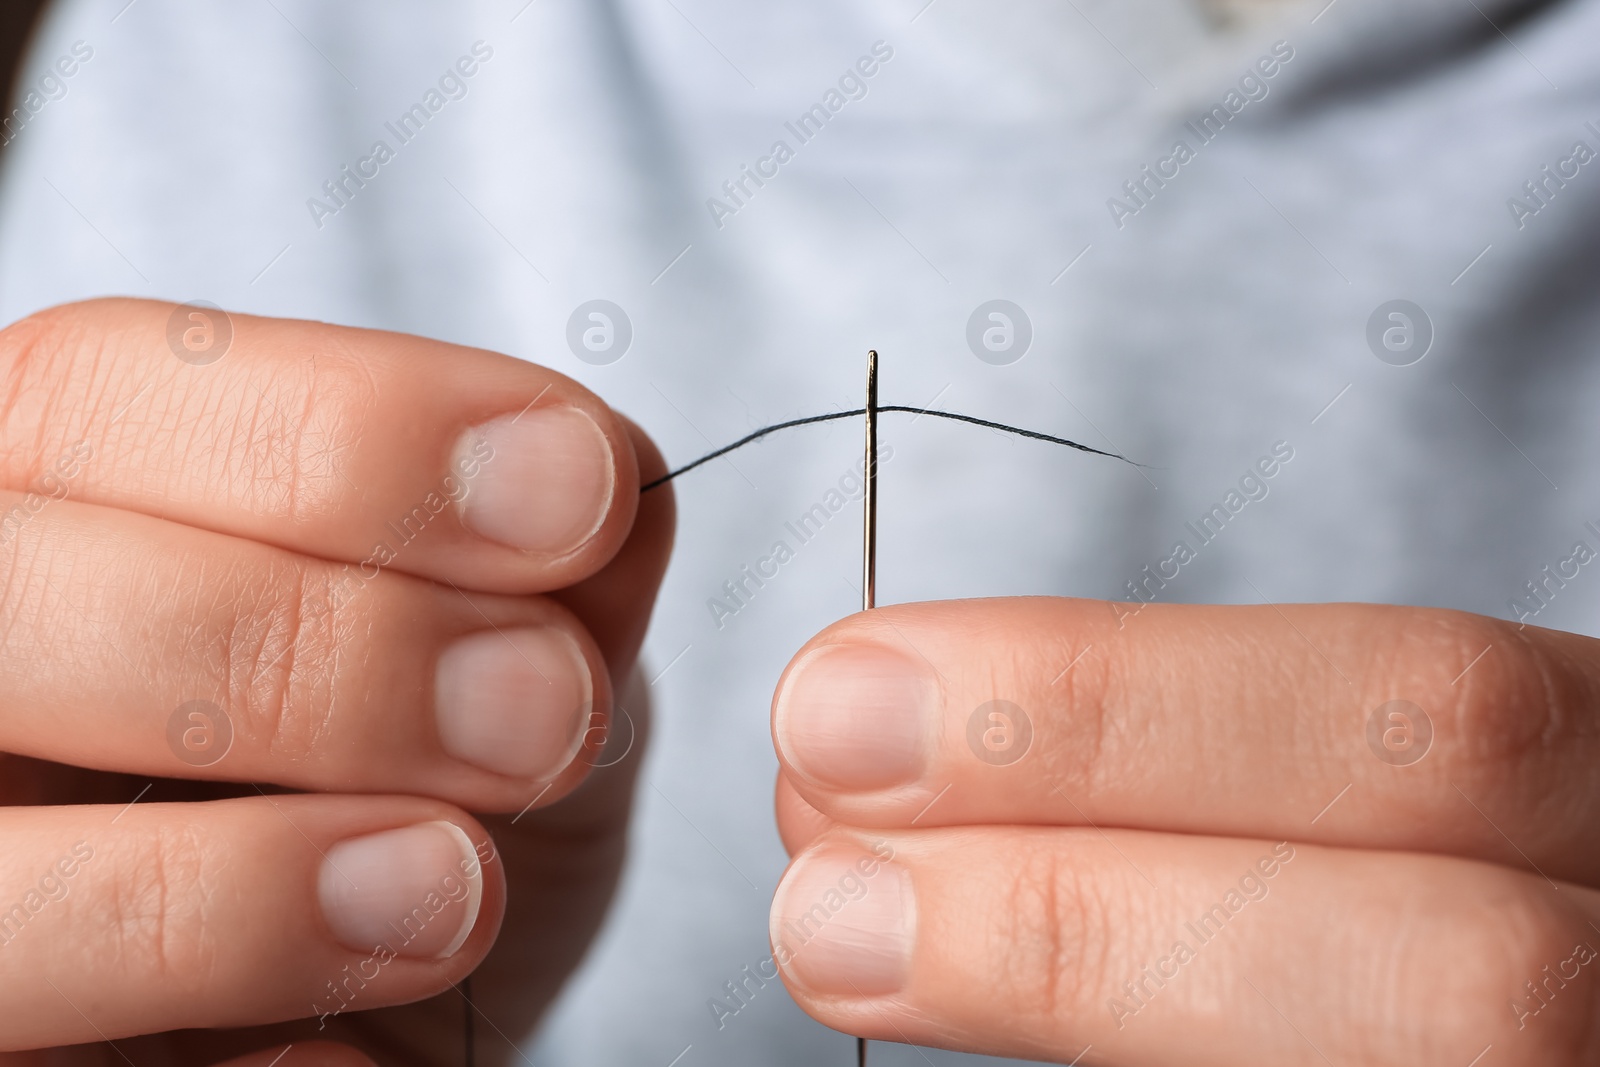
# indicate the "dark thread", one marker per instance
pixel 751 438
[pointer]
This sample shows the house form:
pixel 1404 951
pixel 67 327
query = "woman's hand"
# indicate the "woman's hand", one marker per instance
pixel 1315 834
pixel 389 579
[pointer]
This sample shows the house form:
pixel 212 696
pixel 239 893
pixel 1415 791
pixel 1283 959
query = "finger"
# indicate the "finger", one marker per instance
pixel 374 449
pixel 1153 949
pixel 176 652
pixel 1241 721
pixel 303 1054
pixel 799 823
pixel 615 603
pixel 235 913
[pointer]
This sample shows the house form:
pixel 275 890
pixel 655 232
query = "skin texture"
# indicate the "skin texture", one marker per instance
pixel 196 551
pixel 1177 755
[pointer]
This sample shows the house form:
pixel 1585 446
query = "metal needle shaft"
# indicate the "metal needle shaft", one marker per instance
pixel 869 546
pixel 869 538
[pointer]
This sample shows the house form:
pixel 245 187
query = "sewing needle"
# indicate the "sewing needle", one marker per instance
pixel 869 545
pixel 869 537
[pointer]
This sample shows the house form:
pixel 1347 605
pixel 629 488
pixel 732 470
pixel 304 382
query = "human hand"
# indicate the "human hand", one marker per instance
pixel 394 578
pixel 1194 835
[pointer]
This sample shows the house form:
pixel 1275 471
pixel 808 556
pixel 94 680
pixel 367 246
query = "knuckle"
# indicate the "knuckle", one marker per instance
pixel 1496 716
pixel 277 439
pixel 1049 946
pixel 1078 724
pixel 286 446
pixel 278 659
pixel 155 913
pixel 1526 985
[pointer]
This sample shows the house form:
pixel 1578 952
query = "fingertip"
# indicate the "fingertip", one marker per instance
pixel 651 464
pixel 555 481
pixel 799 824
pixel 419 891
pixel 615 603
pixel 657 516
pixel 843 921
pixel 857 718
pixel 546 482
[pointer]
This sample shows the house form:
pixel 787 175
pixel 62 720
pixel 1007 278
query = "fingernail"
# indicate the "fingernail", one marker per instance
pixel 544 479
pixel 857 717
pixel 845 923
pixel 515 702
pixel 415 891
